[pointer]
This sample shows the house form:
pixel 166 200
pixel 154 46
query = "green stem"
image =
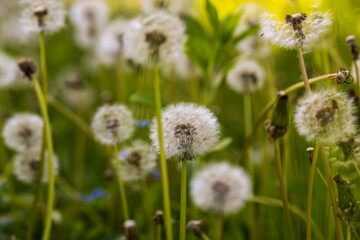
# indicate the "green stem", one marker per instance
pixel 204 236
pixel 207 86
pixel 218 228
pixel 356 166
pixel 183 200
pixel 269 106
pixel 303 71
pixel 338 228
pixel 49 144
pixel 158 232
pixel 282 188
pixel 357 77
pixel 322 177
pixel 121 183
pixel 163 165
pixel 43 64
pixel 353 230
pixel 348 234
pixel 310 189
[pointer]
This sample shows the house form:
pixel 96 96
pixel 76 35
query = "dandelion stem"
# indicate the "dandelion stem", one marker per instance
pixel 183 200
pixel 158 232
pixel 218 228
pixel 204 236
pixel 310 189
pixel 356 166
pixel 282 188
pixel 348 234
pixel 332 193
pixel 357 77
pixel 163 165
pixel 43 64
pixel 353 230
pixel 121 183
pixel 322 177
pixel 303 71
pixel 49 144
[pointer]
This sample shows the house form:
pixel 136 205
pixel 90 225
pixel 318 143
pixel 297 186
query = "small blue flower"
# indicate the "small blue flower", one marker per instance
pixel 123 155
pixel 94 195
pixel 142 123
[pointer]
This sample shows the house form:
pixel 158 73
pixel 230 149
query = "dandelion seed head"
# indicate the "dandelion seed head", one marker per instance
pixel 23 132
pixel 245 76
pixel 8 70
pixel 326 116
pixel 158 39
pixel 221 188
pixel 298 30
pixel 27 165
pixel 88 17
pixel 42 15
pixel 177 7
pixel 113 124
pixel 189 130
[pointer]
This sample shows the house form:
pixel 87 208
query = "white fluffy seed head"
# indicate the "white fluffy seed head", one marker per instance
pixel 27 165
pixel 113 124
pixel 326 116
pixel 137 161
pixel 43 15
pixel 88 17
pixel 299 30
pixel 189 130
pixel 23 132
pixel 221 188
pixel 246 76
pixel 157 39
pixel 8 70
pixel 177 7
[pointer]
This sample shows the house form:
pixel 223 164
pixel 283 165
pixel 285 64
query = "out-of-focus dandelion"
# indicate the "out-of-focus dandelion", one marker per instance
pixel 43 15
pixel 113 124
pixel 326 116
pixel 8 70
pixel 88 17
pixel 177 7
pixel 23 132
pixel 246 76
pixel 182 68
pixel 221 188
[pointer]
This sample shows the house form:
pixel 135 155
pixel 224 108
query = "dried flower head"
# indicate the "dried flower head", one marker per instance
pixel 137 160
pixel 343 76
pixel 296 30
pixel 159 218
pixel 189 130
pixel 8 70
pixel 88 17
pixel 221 188
pixel 43 15
pixel 246 76
pixel 113 124
pixel 354 49
pixel 159 39
pixel 23 132
pixel 27 68
pixel 130 229
pixel 326 116
pixel 177 7
pixel 27 165
pixel 195 226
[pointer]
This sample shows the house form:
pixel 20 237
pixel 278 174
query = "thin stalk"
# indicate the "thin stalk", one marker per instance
pixel 321 176
pixel 338 228
pixel 282 188
pixel 121 183
pixel 218 228
pixel 158 232
pixel 303 71
pixel 43 65
pixel 183 200
pixel 49 144
pixel 356 166
pixel 357 77
pixel 3 153
pixel 310 190
pixel 163 165
pixel 353 230
pixel 204 236
pixel 348 234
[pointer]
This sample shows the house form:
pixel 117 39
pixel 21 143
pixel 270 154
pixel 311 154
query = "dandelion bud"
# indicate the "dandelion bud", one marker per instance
pixel 347 204
pixel 354 49
pixel 130 229
pixel 27 68
pixel 310 151
pixel 342 76
pixel 277 126
pixel 158 218
pixel 194 226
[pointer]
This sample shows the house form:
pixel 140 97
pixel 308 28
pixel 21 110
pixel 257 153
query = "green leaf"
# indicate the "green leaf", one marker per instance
pixel 248 32
pixel 199 52
pixel 224 143
pixel 212 15
pixel 194 28
pixel 228 26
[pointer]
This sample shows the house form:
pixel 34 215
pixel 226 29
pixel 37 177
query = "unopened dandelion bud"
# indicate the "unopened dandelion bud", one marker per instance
pixel 130 229
pixel 159 218
pixel 195 226
pixel 277 126
pixel 310 151
pixel 354 49
pixel 347 206
pixel 343 76
pixel 27 67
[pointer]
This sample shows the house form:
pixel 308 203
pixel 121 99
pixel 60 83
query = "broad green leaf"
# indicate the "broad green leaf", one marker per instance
pixel 228 26
pixel 194 28
pixel 212 15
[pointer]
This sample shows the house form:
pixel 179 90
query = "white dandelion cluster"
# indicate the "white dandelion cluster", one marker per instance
pixel 189 130
pixel 326 116
pixel 8 70
pixel 158 39
pixel 42 15
pixel 89 18
pixel 245 76
pixel 221 188
pixel 27 165
pixel 137 161
pixel 296 30
pixel 23 132
pixel 177 7
pixel 113 124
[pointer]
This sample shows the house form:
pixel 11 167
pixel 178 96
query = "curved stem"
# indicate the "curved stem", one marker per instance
pixel 338 228
pixel 322 177
pixel 204 236
pixel 163 165
pixel 183 200
pixel 121 183
pixel 356 166
pixel 353 230
pixel 303 71
pixel 49 144
pixel 310 189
